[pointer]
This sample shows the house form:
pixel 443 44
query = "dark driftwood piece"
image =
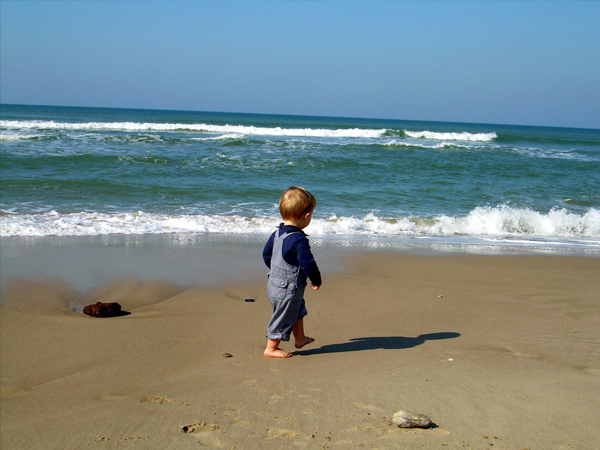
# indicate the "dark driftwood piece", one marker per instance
pixel 103 310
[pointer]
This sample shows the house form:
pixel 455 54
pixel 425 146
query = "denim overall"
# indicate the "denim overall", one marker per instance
pixel 286 297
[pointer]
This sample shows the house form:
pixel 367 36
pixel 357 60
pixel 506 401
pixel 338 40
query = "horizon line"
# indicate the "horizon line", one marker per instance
pixel 298 115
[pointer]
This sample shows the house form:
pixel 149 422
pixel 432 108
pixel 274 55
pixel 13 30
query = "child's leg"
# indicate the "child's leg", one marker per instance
pixel 273 350
pixel 285 311
pixel 299 336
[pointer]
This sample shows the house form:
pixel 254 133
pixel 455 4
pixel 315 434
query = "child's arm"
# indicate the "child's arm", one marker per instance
pixel 307 263
pixel 268 251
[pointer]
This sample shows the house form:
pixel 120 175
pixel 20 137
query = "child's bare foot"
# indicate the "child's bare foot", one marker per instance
pixel 277 353
pixel 302 342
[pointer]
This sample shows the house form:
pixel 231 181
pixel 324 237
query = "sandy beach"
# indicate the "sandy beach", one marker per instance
pixel 499 351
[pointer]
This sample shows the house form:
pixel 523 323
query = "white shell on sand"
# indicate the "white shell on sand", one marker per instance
pixel 404 419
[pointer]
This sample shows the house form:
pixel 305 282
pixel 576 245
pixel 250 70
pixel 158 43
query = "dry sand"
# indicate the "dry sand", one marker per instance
pixel 500 351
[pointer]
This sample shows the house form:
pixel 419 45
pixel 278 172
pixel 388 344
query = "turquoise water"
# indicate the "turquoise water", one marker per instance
pixel 96 171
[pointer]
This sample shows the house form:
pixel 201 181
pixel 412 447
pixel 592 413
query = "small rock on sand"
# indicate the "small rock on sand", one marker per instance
pixel 404 419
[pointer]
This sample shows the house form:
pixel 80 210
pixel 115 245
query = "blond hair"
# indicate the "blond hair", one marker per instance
pixel 295 202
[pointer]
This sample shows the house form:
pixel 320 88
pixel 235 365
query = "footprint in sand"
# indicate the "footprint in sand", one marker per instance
pixel 193 428
pixel 279 432
pixel 156 399
pixel 203 433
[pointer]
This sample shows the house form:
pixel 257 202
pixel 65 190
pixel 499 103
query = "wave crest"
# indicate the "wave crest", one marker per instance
pixel 200 128
pixel 500 221
pixel 437 136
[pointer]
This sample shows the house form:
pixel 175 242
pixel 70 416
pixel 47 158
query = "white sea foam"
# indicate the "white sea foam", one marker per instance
pixel 438 146
pixel 200 127
pixel 12 136
pixel 91 224
pixel 572 155
pixel 504 220
pixel 221 137
pixel 436 136
pixel 497 223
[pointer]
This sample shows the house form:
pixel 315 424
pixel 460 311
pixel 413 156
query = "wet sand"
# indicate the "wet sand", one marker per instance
pixel 499 351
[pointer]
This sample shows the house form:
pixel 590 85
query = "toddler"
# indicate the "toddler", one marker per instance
pixel 288 256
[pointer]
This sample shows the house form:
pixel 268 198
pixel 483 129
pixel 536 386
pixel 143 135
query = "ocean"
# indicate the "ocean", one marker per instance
pixel 379 183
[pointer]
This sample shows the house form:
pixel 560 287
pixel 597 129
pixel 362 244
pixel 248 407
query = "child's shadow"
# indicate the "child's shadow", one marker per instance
pixel 384 342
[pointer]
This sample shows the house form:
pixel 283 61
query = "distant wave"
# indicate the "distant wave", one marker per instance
pixel 497 221
pixel 571 154
pixel 7 137
pixel 221 137
pixel 435 146
pixel 200 128
pixel 231 131
pixel 436 136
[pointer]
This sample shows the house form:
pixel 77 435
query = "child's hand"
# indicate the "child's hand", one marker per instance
pixel 315 288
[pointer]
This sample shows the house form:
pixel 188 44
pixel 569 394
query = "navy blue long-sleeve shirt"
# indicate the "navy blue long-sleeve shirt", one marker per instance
pixel 296 252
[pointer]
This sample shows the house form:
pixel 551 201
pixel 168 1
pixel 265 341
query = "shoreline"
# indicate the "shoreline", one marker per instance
pixel 211 259
pixel 498 350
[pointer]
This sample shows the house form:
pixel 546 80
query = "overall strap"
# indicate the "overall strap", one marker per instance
pixel 277 256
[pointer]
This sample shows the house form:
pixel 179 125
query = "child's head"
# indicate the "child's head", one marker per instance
pixel 295 203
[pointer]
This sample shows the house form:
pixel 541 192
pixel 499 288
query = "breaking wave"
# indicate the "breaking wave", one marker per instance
pixel 436 136
pixel 199 128
pixel 229 131
pixel 501 221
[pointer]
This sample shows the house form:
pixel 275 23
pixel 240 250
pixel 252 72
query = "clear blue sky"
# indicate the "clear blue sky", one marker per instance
pixel 512 62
